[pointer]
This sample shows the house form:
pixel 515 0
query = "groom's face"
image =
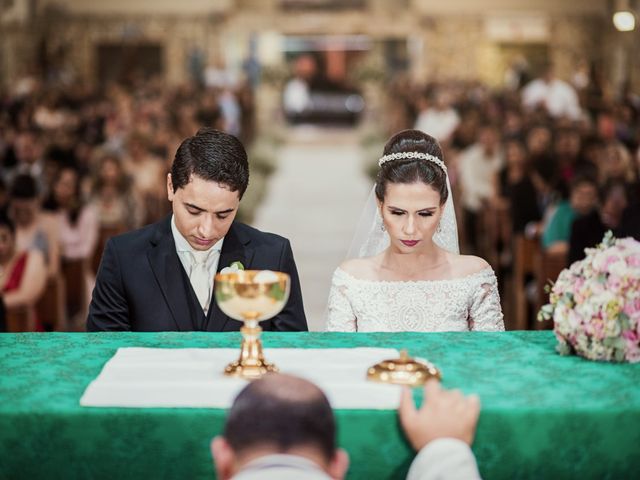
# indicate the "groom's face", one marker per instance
pixel 203 210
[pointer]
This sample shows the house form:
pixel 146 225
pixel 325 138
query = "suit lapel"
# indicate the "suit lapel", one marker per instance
pixel 166 268
pixel 234 249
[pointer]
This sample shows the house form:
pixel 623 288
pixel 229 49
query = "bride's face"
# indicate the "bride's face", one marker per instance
pixel 411 213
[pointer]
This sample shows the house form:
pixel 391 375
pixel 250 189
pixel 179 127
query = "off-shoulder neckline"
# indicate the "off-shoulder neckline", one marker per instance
pixel 484 271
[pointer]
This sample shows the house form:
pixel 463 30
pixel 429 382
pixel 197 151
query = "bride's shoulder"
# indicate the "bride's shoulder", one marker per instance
pixel 361 268
pixel 465 265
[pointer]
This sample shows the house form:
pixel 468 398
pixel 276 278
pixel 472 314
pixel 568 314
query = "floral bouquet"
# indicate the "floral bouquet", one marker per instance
pixel 595 303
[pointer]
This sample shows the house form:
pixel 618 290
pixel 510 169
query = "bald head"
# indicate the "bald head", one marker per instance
pixel 286 388
pixel 281 412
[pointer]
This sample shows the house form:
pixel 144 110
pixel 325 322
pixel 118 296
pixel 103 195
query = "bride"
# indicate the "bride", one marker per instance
pixel 407 274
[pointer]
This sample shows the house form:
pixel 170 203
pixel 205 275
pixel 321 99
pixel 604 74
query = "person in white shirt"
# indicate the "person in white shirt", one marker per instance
pixel 296 435
pixel 556 96
pixel 477 168
pixel 439 120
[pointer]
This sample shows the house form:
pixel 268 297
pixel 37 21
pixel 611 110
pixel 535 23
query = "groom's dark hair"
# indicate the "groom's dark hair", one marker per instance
pixel 281 412
pixel 213 156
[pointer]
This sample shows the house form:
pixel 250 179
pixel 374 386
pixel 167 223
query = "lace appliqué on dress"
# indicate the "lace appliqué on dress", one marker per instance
pixel 467 303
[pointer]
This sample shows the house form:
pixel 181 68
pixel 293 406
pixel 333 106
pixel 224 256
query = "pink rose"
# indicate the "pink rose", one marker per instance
pixel 632 353
pixel 632 307
pixel 634 260
pixel 611 259
pixel 614 282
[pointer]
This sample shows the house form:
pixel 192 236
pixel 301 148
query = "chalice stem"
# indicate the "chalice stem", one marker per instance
pixel 251 350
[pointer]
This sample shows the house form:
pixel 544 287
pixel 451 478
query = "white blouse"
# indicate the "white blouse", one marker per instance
pixel 460 304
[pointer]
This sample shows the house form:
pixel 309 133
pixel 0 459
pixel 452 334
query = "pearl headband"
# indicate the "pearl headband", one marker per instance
pixel 412 155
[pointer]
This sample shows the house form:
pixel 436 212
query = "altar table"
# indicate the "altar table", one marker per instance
pixel 543 415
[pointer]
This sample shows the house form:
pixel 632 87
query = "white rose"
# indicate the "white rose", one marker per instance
pixel 266 276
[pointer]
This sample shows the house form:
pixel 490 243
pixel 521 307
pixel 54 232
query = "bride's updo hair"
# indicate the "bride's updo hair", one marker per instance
pixel 411 170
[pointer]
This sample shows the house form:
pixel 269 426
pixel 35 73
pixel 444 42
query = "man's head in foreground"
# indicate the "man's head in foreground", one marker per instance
pixel 279 414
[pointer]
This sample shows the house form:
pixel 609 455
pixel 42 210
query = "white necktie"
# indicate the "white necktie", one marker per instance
pixel 200 278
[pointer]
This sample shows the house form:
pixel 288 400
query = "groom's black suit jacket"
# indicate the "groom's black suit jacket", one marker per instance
pixel 142 286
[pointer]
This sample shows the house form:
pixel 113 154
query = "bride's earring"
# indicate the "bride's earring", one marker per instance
pixel 382 227
pixel 439 229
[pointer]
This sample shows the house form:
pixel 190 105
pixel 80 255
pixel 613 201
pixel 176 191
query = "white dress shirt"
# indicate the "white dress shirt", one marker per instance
pixel 441 459
pixel 187 255
pixel 281 467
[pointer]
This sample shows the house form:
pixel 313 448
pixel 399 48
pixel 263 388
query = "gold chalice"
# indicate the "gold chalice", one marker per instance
pixel 251 296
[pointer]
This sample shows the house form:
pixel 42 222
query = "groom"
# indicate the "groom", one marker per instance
pixel 160 277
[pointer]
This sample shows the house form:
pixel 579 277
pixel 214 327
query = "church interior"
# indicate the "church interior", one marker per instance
pixel 96 96
pixel 438 248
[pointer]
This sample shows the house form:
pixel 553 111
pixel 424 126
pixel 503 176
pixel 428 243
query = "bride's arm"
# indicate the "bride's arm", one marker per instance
pixel 486 313
pixel 340 316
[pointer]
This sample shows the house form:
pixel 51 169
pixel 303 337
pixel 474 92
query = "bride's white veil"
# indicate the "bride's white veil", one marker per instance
pixel 370 238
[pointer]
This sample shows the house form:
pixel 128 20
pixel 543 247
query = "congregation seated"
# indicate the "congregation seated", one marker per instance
pixel 77 224
pixel 582 199
pixel 296 435
pixel 588 231
pixel 118 205
pixel 35 229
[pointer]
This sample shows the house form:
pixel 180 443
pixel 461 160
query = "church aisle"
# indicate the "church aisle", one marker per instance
pixel 315 199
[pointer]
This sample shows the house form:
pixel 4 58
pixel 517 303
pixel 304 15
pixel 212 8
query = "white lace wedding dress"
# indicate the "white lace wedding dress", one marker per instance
pixel 468 303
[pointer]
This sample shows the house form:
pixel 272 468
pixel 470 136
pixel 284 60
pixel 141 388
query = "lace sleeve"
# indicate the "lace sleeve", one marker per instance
pixel 340 316
pixel 486 313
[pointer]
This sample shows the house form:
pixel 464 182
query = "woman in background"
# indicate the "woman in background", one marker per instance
pixel 22 280
pixel 78 235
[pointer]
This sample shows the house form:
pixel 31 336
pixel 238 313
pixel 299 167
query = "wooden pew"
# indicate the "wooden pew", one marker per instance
pixel 75 295
pixel 525 253
pixel 20 319
pixel 50 308
pixel 548 268
pixel 104 234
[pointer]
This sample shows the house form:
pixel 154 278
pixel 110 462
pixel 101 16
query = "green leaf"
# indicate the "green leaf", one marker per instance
pixel 625 321
pixel 608 239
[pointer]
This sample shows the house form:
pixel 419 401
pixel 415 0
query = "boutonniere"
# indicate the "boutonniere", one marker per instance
pixel 233 268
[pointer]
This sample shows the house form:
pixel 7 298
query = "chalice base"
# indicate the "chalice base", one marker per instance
pixel 251 365
pixel 249 372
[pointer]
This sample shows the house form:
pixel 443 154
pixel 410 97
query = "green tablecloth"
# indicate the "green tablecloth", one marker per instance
pixel 543 415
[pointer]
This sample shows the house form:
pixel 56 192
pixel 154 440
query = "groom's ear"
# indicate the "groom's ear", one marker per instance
pixel 169 187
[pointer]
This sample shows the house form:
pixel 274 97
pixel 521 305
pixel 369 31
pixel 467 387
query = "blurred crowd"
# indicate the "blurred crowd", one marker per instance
pixel 78 165
pixel 540 169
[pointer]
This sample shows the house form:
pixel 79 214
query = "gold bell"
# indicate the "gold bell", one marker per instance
pixel 403 371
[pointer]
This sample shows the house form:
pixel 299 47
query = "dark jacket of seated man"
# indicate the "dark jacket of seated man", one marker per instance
pixel 160 277
pixel 141 285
